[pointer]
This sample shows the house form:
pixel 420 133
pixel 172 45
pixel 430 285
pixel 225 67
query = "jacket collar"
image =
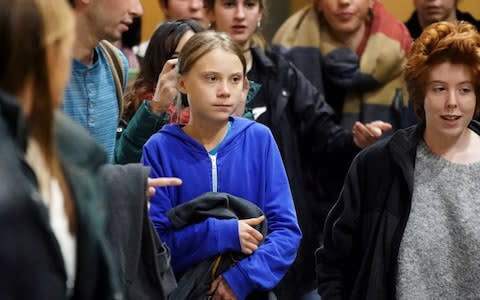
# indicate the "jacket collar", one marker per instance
pixel 261 59
pixel 403 148
pixel 12 114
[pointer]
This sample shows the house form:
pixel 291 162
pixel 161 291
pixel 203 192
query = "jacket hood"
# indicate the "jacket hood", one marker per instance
pixel 239 125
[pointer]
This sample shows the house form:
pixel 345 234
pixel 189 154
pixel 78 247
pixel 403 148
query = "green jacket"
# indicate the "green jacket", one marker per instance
pixel 141 127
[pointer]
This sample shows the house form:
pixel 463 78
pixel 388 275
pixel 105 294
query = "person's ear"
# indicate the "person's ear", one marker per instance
pixel 181 84
pixel 246 86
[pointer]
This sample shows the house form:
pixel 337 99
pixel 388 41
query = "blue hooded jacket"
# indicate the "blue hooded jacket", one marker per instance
pixel 247 165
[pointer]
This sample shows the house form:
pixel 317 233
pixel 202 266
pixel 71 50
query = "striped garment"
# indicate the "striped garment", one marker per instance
pixel 90 99
pixel 364 85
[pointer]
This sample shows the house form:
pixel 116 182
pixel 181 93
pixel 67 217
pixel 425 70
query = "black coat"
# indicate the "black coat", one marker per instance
pixel 31 260
pixel 303 127
pixel 143 260
pixel 364 230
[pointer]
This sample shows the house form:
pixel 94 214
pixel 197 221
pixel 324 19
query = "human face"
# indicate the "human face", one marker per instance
pixel 214 86
pixel 431 11
pixel 345 17
pixel 450 102
pixel 239 18
pixel 185 9
pixel 110 18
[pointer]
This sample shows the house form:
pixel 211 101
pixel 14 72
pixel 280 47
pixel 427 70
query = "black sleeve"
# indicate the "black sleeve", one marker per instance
pixel 335 260
pixel 317 122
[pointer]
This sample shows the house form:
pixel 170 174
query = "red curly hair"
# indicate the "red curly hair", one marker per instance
pixel 457 43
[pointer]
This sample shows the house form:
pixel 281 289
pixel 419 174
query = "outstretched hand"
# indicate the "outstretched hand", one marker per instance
pixel 249 237
pixel 161 181
pixel 366 134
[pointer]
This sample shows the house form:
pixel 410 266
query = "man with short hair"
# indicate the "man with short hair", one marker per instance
pixel 91 95
pixel 431 11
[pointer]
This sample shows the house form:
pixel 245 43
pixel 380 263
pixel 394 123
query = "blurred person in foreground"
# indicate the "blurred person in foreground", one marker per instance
pixel 52 204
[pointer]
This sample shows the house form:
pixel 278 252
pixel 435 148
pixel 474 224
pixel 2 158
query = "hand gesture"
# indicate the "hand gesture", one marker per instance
pixel 161 181
pixel 365 135
pixel 166 89
pixel 219 290
pixel 249 237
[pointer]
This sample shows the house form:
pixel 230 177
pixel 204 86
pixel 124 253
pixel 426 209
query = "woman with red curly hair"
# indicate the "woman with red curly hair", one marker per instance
pixel 406 223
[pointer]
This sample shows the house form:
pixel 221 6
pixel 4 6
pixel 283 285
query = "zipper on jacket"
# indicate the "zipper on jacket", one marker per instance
pixel 213 158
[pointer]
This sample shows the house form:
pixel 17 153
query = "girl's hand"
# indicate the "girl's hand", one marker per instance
pixel 249 237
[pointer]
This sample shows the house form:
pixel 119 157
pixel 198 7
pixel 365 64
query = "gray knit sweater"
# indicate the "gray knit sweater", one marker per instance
pixel 439 256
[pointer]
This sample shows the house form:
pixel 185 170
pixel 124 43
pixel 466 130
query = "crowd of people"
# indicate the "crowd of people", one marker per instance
pixel 337 162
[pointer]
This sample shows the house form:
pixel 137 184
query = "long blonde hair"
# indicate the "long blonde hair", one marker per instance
pixel 29 29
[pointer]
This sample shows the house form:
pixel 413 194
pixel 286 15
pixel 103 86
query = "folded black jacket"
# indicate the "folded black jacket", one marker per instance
pixel 195 282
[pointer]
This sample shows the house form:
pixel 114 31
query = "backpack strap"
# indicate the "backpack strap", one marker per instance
pixel 116 66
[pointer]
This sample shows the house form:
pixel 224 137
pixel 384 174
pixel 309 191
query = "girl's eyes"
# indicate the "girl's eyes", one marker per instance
pixel 211 78
pixel 236 79
pixel 249 4
pixel 462 90
pixel 438 89
pixel 214 78
pixel 465 90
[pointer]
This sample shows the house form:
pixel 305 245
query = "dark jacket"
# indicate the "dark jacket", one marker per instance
pixel 416 29
pixel 32 264
pixel 143 260
pixel 302 125
pixel 364 229
pixel 196 281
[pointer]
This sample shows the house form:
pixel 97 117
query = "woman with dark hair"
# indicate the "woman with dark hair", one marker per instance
pixel 152 100
pixel 406 223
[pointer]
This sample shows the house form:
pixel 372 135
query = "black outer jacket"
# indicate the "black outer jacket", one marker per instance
pixel 143 260
pixel 364 229
pixel 31 261
pixel 303 128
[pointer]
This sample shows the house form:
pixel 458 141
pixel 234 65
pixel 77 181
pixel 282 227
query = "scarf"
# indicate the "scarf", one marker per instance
pixel 369 87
